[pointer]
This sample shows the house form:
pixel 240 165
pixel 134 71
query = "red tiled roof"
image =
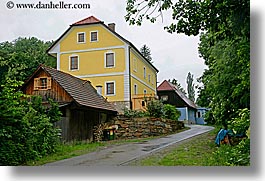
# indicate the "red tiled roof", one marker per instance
pixel 167 86
pixel 88 20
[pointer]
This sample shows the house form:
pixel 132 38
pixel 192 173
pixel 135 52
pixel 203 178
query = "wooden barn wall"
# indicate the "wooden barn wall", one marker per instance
pixel 173 98
pixel 57 93
pixel 81 124
pixel 78 124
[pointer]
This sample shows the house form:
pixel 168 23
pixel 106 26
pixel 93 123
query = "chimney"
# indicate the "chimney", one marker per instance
pixel 111 26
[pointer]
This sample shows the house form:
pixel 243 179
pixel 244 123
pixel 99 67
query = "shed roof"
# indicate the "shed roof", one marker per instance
pixel 168 86
pixel 82 92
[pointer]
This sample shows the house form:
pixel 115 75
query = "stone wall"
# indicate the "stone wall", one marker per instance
pixel 145 127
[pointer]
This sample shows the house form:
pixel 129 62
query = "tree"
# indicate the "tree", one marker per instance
pixel 22 56
pixel 190 87
pixel 224 28
pixel 146 52
pixel 26 130
pixel 177 84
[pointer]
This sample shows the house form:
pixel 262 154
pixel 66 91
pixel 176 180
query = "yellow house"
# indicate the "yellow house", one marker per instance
pixel 93 51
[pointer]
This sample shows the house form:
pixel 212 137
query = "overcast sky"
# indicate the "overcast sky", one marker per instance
pixel 174 55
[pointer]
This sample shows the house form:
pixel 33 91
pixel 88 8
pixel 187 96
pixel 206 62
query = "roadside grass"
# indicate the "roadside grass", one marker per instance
pixel 77 148
pixel 197 151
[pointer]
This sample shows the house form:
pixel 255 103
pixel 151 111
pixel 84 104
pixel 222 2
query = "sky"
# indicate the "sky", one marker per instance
pixel 174 55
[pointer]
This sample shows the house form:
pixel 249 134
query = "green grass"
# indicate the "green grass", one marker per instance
pixel 197 151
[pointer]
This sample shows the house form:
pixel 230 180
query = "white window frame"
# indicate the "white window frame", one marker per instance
pixel 105 59
pixel 135 64
pixel 114 88
pixel 145 91
pixel 78 61
pixel 78 37
pixel 91 36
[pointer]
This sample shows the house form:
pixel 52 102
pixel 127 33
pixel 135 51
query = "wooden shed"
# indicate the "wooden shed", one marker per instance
pixel 81 105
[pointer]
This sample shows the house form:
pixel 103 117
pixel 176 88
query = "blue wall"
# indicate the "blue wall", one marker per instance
pixel 195 116
pixel 183 116
pixel 200 115
pixel 183 113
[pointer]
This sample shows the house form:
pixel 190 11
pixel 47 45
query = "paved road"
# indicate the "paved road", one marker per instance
pixel 118 155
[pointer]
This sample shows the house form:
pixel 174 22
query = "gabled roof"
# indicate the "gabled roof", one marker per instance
pixel 93 20
pixel 168 86
pixel 82 92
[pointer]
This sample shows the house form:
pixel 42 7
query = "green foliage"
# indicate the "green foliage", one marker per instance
pixel 170 112
pixel 146 52
pixel 238 155
pixel 155 108
pixel 241 123
pixel 53 112
pixel 26 133
pixel 22 56
pixel 190 87
pixel 134 113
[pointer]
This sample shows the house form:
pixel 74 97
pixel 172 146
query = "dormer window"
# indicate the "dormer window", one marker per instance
pixel 81 37
pixel 94 36
pixel 42 83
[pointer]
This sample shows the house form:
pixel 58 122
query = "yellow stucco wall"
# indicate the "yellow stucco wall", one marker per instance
pixel 118 82
pixel 137 72
pixel 93 62
pixel 105 38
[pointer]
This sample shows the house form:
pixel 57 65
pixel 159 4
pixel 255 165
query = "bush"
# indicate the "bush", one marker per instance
pixel 170 112
pixel 25 133
pixel 134 113
pixel 238 155
pixel 155 108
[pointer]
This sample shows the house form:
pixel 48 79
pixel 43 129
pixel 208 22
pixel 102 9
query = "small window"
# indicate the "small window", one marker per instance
pixel 135 89
pixel 199 114
pixel 145 91
pixel 81 37
pixel 135 64
pixel 164 98
pixel 149 78
pixel 143 103
pixel 93 36
pixel 110 88
pixel 74 63
pixel 42 83
pixel 144 72
pixel 109 60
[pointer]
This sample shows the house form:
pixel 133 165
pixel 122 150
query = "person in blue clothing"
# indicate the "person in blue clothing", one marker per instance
pixel 222 137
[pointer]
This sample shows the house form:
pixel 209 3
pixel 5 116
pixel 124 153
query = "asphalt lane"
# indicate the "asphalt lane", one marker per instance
pixel 118 155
